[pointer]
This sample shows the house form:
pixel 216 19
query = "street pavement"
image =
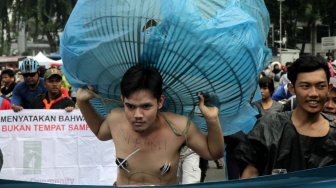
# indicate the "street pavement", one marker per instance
pixel 214 174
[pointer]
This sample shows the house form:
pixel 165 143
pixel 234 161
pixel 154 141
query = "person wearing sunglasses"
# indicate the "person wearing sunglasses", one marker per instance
pixel 31 87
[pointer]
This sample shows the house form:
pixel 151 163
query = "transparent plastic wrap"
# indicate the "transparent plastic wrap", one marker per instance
pixel 211 46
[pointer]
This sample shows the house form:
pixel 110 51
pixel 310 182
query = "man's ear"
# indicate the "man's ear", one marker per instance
pixel 291 88
pixel 122 98
pixel 161 101
pixel 330 87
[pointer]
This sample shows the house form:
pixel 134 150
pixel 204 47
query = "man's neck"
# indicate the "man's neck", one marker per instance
pixel 314 125
pixel 267 103
pixel 53 96
pixel 303 118
pixel 33 87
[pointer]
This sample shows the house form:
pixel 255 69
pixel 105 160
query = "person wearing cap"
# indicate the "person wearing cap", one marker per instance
pixel 31 87
pixel 330 105
pixel 53 98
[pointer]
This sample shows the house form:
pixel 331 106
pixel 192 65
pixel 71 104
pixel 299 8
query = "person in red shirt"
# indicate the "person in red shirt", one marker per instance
pixel 4 104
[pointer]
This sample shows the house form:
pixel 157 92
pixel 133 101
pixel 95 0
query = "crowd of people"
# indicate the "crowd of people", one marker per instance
pixel 296 138
pixel 295 127
pixel 38 90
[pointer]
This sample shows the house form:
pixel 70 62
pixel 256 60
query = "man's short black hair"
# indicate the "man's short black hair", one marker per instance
pixel 307 63
pixel 141 77
pixel 9 72
pixel 268 83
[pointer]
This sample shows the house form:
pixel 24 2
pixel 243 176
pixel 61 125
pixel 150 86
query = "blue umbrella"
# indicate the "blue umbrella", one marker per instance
pixel 211 46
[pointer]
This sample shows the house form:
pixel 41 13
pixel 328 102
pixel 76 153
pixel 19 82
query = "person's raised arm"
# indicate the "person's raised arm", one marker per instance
pixel 16 100
pixel 209 146
pixel 95 121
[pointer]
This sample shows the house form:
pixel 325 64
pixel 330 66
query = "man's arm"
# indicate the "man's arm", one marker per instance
pixel 95 121
pixel 250 172
pixel 16 100
pixel 209 146
pixel 70 105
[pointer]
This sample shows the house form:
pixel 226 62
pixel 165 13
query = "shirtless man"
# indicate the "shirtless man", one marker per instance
pixel 148 141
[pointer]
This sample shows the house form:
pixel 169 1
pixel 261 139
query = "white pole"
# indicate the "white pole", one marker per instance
pixel 280 23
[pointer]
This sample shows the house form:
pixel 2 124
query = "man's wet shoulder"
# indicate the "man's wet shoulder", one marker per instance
pixel 276 119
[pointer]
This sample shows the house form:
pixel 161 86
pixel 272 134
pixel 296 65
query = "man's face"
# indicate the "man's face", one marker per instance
pixel 311 91
pixel 53 84
pixel 31 79
pixel 141 110
pixel 6 79
pixel 330 105
pixel 265 93
pixel 276 67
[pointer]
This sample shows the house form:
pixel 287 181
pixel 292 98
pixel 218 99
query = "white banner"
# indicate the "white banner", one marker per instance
pixel 54 146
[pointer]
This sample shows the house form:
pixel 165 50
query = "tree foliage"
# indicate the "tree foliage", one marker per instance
pixel 46 18
pixel 5 38
pixel 41 19
pixel 309 12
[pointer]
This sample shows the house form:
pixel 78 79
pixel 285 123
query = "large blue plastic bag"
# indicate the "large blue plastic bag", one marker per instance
pixel 211 46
